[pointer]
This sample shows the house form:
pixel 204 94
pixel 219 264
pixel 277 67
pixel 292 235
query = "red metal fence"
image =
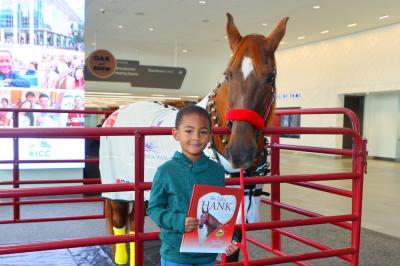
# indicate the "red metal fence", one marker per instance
pixel 351 221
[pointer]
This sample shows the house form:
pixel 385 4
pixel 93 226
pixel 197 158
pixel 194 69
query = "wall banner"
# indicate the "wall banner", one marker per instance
pixel 142 75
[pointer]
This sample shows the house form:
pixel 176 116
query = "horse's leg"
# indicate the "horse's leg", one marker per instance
pixel 109 221
pixel 119 218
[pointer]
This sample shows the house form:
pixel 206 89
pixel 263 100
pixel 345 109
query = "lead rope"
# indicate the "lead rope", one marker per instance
pixel 243 244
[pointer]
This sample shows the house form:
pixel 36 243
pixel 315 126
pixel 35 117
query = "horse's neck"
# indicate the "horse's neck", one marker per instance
pixel 213 223
pixel 217 107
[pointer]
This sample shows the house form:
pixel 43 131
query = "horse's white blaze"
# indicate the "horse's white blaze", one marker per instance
pixel 247 67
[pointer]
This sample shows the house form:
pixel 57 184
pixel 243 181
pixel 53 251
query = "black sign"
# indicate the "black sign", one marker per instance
pixel 144 76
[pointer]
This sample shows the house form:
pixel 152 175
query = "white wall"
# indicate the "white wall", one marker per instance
pixel 397 118
pixel 355 64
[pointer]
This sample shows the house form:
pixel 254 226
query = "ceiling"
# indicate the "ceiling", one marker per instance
pixel 197 28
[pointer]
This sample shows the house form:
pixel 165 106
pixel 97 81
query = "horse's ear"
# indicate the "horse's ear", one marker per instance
pixel 276 36
pixel 232 32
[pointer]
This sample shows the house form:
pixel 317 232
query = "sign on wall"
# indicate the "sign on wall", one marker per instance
pixel 101 64
pixel 143 76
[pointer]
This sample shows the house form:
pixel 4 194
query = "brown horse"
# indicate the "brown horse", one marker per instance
pixel 209 221
pixel 243 102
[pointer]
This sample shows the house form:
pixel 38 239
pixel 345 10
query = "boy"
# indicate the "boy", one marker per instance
pixel 173 184
pixel 8 76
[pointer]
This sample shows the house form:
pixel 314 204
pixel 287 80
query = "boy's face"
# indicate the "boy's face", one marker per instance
pixel 5 63
pixel 44 102
pixel 78 103
pixel 67 103
pixel 193 135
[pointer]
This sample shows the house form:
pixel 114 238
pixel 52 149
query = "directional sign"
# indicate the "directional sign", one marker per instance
pixel 144 76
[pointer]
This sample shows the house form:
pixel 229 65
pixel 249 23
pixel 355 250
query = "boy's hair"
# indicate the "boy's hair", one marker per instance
pixel 192 109
pixel 43 95
pixel 6 52
pixel 30 93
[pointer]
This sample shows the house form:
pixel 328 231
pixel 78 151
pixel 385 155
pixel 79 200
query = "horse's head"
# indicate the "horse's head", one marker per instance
pixel 203 218
pixel 250 80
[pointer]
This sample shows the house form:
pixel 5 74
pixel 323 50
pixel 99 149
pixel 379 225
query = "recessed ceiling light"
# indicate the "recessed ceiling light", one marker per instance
pixel 120 26
pixel 352 25
pixel 282 42
pixel 316 7
pixel 324 31
pixel 225 37
pixel 93 43
pixel 151 29
pixel 301 37
pixel 264 24
pixel 383 17
pixel 184 50
pixel 202 2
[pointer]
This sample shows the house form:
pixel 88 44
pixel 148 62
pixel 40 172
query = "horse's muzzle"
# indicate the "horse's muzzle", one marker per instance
pixel 241 156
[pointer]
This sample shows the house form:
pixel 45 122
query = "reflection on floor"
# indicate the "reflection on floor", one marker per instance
pixel 60 257
pixel 381 197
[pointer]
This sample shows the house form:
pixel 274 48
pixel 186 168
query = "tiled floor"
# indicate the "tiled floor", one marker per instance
pixel 381 194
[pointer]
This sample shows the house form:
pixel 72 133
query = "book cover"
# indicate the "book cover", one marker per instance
pixel 216 208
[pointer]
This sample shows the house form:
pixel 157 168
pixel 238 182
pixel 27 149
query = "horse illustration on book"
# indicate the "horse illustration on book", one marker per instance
pixel 244 102
pixel 210 222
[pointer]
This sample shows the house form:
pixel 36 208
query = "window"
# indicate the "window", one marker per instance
pixel 290 121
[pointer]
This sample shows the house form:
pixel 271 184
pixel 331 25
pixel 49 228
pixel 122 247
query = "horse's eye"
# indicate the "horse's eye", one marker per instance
pixel 270 79
pixel 229 124
pixel 226 77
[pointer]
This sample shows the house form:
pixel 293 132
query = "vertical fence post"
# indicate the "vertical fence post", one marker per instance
pixel 359 155
pixel 275 187
pixel 139 196
pixel 16 206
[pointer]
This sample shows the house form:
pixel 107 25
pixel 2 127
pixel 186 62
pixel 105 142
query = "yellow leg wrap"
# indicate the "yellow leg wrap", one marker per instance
pixel 132 251
pixel 121 256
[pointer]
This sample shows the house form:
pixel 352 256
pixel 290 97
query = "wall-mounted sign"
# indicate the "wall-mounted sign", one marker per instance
pixel 143 76
pixel 289 96
pixel 101 64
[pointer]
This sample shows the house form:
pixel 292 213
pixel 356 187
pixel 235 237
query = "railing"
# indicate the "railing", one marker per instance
pixel 16 182
pixel 350 221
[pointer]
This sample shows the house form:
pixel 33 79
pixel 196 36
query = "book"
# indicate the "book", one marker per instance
pixel 216 208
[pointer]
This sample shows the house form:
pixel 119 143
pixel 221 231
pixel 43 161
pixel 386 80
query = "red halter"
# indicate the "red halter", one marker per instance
pixel 250 116
pixel 246 115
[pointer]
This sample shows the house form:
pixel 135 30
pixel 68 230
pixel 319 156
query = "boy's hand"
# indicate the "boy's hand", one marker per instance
pixel 191 224
pixel 232 248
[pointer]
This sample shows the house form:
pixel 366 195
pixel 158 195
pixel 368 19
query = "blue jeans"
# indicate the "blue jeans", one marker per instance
pixel 168 263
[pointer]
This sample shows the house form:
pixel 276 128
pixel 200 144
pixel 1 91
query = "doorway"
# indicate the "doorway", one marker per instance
pixel 356 104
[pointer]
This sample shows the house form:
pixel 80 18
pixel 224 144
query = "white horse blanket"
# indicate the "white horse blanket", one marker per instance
pixel 117 153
